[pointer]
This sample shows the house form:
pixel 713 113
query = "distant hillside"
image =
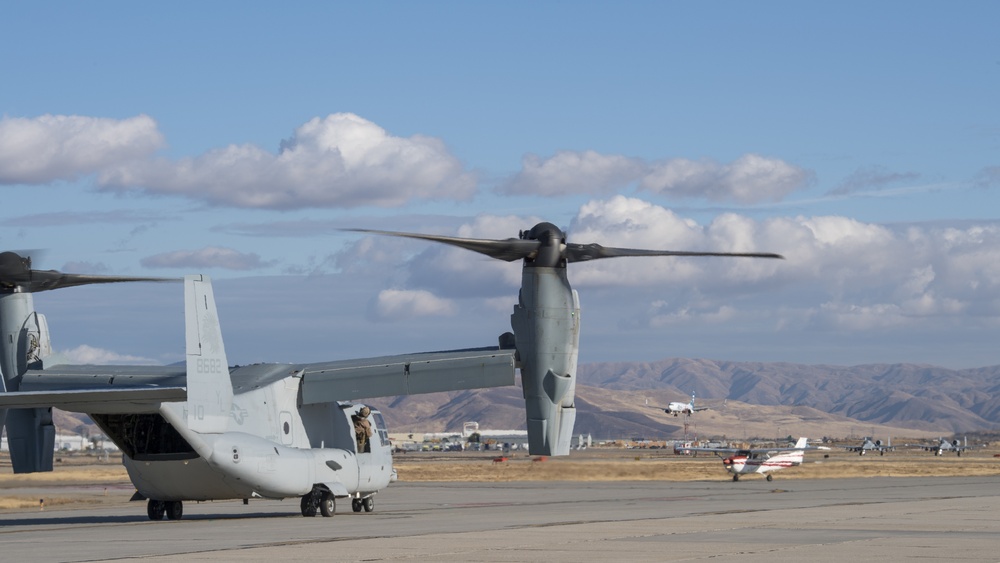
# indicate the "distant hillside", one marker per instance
pixel 762 399
pixel 904 395
pixel 623 415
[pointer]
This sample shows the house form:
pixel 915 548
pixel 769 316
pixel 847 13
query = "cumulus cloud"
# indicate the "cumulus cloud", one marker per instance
pixel 749 179
pixel 871 178
pixel 98 356
pixel 397 304
pixel 339 161
pixel 208 257
pixel 569 173
pixel 65 147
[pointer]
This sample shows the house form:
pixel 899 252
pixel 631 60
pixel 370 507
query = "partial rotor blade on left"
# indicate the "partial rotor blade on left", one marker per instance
pixel 508 249
pixel 43 280
pixel 584 252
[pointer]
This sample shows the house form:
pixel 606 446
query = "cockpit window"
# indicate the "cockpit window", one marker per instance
pixel 383 433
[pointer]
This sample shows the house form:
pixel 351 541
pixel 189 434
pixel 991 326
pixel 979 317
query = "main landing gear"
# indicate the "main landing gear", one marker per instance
pixel 156 509
pixel 367 504
pixel 318 500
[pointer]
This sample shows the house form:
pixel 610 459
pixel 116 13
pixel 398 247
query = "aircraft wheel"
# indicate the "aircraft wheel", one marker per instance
pixel 308 505
pixel 356 505
pixel 959 453
pixel 155 509
pixel 369 504
pixel 736 477
pixel 327 505
pixel 174 509
pixel 769 478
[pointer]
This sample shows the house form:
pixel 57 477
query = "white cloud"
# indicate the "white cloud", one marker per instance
pixel 749 179
pixel 85 354
pixel 64 147
pixel 570 172
pixel 208 257
pixel 396 304
pixel 339 161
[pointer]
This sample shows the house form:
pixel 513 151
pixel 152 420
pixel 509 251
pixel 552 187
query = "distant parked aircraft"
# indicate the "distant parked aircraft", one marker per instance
pixel 945 446
pixel 871 446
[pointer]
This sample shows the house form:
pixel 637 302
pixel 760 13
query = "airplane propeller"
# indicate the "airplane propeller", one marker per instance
pixel 546 320
pixel 16 274
pixel 545 245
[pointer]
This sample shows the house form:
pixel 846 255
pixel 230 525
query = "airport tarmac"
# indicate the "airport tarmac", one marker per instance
pixel 885 518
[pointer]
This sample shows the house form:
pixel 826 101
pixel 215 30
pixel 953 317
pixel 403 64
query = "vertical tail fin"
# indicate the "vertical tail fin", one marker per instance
pixel 210 391
pixel 803 442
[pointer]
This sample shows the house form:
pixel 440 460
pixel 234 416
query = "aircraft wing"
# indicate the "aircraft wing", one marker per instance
pixel 716 450
pixel 408 374
pixel 754 450
pixel 697 409
pixel 99 389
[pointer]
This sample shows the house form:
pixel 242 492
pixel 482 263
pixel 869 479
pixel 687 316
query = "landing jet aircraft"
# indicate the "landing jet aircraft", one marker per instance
pixel 871 446
pixel 210 431
pixel 678 408
pixel 760 460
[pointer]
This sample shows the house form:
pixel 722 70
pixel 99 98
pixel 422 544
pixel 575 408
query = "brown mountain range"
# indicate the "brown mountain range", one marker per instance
pixel 760 400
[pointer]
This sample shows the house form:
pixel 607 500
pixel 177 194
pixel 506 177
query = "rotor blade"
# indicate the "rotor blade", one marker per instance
pixel 508 250
pixel 43 280
pixel 584 252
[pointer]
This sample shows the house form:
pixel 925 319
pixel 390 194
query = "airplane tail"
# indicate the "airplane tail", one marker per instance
pixel 210 391
pixel 802 443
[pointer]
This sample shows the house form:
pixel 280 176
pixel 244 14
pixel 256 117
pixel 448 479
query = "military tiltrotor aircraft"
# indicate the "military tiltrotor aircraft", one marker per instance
pixel 207 431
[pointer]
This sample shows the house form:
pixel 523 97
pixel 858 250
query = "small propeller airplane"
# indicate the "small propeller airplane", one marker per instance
pixel 943 445
pixel 677 408
pixel 206 430
pixel 871 446
pixel 742 461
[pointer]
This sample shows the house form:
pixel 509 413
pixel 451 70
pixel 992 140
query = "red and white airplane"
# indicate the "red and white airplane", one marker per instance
pixel 760 460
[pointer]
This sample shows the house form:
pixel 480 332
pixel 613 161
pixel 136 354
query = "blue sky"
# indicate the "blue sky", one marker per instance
pixel 234 139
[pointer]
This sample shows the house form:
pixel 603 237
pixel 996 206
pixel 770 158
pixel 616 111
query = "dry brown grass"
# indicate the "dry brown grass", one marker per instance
pixel 627 465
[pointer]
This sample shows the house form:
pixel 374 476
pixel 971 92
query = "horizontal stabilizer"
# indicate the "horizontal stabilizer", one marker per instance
pixel 96 401
pixel 410 374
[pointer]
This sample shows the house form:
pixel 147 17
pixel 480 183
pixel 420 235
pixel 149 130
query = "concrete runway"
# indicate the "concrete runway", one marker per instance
pixel 952 519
